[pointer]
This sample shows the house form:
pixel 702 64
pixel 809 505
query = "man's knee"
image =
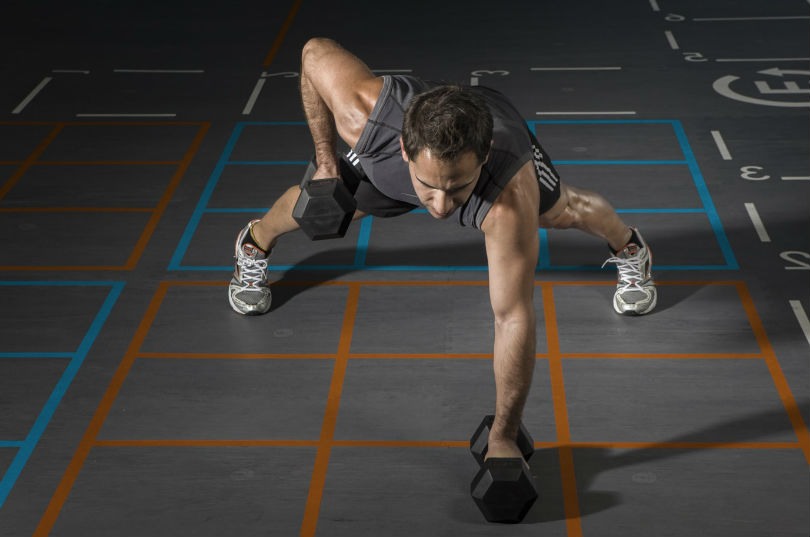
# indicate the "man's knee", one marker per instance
pixel 561 215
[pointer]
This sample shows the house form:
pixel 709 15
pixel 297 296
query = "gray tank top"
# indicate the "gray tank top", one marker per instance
pixel 379 150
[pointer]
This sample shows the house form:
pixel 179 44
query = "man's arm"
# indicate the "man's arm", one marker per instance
pixel 338 92
pixel 510 230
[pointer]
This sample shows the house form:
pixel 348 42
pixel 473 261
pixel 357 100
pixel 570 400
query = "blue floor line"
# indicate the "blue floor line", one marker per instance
pixel 705 197
pixel 194 221
pixel 27 447
pixel 12 444
pixel 544 261
pixel 35 355
pixel 267 162
pixel 544 252
pixel 619 162
pixel 437 268
pixel 362 241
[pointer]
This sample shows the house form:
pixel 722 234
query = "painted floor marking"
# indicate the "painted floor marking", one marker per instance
pixel 58 128
pixel 673 44
pixel 254 96
pixel 721 145
pixel 327 441
pixel 733 19
pixel 161 71
pixel 364 235
pixel 801 317
pixel 126 114
pixel 762 59
pixel 589 113
pixel 30 97
pixel 753 214
pixel 26 447
pixel 654 5
pixel 575 69
pixel 795 178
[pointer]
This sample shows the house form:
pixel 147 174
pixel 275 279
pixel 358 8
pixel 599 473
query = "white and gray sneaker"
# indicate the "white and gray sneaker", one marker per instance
pixel 635 290
pixel 248 292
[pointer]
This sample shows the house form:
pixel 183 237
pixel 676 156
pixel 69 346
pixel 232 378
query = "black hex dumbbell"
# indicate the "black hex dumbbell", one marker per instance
pixel 503 489
pixel 324 208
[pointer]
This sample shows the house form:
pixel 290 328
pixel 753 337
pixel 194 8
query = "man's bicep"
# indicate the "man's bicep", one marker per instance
pixel 512 258
pixel 346 84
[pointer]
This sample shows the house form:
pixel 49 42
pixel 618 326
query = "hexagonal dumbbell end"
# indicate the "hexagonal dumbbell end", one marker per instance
pixel 504 490
pixel 324 209
pixel 479 443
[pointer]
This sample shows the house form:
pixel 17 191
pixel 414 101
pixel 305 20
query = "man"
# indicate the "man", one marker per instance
pixel 451 150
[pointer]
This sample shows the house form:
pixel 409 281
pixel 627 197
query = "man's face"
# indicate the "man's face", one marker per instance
pixel 443 186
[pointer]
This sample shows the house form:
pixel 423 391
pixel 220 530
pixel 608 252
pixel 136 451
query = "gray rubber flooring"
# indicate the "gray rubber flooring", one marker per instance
pixel 136 140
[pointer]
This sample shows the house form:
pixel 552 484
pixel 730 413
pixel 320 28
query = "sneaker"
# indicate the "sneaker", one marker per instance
pixel 635 291
pixel 249 293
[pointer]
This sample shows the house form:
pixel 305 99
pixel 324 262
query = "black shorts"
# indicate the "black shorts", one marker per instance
pixel 369 199
pixel 547 176
pixel 372 201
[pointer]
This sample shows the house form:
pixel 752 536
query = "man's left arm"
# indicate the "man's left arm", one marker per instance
pixel 510 230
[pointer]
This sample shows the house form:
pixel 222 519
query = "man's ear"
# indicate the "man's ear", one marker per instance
pixel 402 149
pixel 491 143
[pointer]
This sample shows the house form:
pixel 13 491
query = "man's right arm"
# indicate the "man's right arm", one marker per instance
pixel 338 92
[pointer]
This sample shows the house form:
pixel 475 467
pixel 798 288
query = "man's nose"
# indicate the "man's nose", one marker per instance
pixel 442 203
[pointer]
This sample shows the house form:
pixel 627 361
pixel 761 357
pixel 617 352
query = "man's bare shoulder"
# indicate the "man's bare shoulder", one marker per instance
pixel 517 206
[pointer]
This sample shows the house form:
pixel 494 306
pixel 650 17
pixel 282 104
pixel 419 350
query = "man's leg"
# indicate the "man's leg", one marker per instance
pixel 590 212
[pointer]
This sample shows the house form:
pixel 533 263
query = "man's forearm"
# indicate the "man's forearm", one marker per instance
pixel 322 127
pixel 514 359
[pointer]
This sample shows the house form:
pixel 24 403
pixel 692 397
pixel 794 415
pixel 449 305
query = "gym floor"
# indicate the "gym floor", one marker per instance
pixel 136 140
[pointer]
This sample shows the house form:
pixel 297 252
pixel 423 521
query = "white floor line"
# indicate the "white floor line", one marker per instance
pixel 125 114
pixel 575 68
pixel 671 39
pixel 762 60
pixel 257 89
pixel 721 145
pixel 801 316
pixel 30 97
pixel 796 177
pixel 656 8
pixel 729 19
pixel 161 71
pixel 757 221
pixel 587 113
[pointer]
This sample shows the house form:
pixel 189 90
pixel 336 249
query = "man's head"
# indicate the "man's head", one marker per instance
pixel 446 137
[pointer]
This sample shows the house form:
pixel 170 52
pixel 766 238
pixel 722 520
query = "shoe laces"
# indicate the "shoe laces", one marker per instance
pixel 252 271
pixel 631 271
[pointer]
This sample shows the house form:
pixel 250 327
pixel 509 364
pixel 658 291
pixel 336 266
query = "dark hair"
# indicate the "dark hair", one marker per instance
pixel 448 121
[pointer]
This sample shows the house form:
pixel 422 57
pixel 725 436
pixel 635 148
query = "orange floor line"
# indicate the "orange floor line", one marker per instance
pixel 321 466
pixel 61 268
pixel 32 158
pixel 140 246
pixel 108 163
pixel 26 123
pixel 62 492
pixel 133 124
pixel 779 380
pixel 420 356
pixel 170 442
pixel 662 356
pixel 566 454
pixel 205 443
pixel 282 33
pixel 232 356
pixel 76 209
pixel 685 445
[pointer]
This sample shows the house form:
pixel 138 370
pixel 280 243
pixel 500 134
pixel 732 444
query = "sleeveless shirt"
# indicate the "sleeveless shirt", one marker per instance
pixel 381 159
